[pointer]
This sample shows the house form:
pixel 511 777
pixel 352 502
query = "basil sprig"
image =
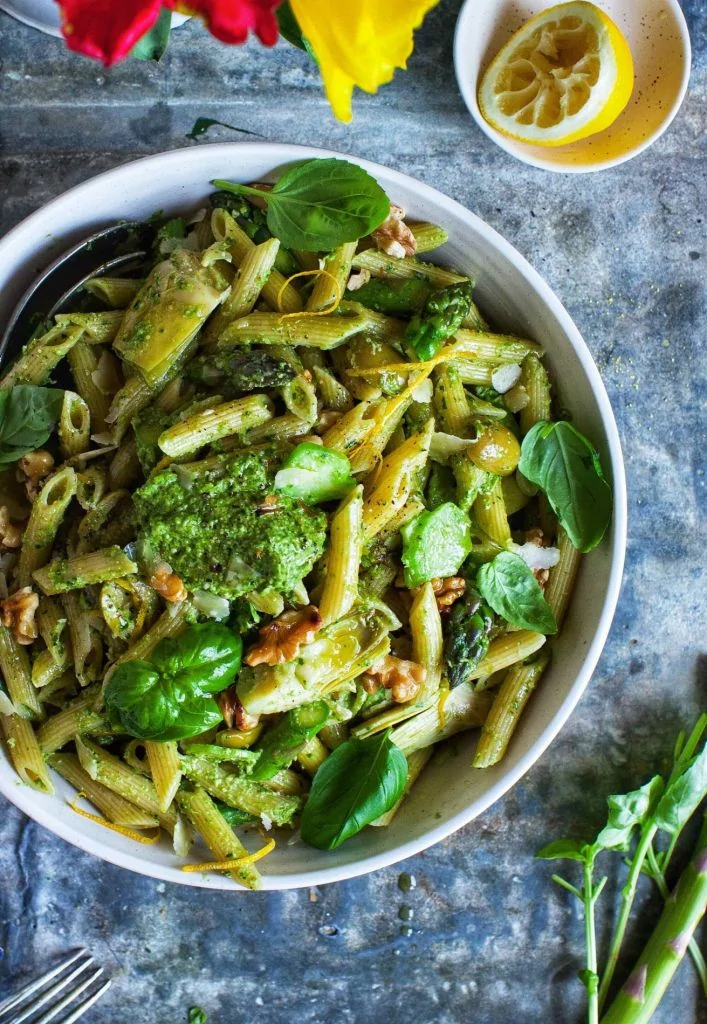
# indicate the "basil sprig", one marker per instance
pixel 319 204
pixel 358 782
pixel 507 584
pixel 566 467
pixel 170 697
pixel 28 415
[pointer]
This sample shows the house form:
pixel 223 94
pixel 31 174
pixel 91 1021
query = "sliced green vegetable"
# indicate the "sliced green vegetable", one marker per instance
pixel 237 371
pixel 286 738
pixel 564 465
pixel 319 204
pixel 435 544
pixel 358 782
pixel 170 696
pixel 508 585
pixel 394 298
pixel 441 486
pixel 28 415
pixel 313 473
pixel 441 317
pixel 467 635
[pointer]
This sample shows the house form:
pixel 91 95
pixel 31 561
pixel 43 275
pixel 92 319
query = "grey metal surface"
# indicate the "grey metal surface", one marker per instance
pixel 491 941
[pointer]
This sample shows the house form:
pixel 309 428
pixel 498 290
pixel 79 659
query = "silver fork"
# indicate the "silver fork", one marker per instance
pixel 71 983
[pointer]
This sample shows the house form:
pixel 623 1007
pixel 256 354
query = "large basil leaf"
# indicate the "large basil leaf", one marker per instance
pixel 320 204
pixel 628 811
pixel 683 795
pixel 170 697
pixel 507 584
pixel 564 465
pixel 28 414
pixel 358 782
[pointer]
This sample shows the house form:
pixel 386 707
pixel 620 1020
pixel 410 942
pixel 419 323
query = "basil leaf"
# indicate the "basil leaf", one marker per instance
pixel 154 43
pixel 28 415
pixel 683 796
pixel 563 849
pixel 563 463
pixel 507 584
pixel 627 812
pixel 358 782
pixel 196 1015
pixel 170 697
pixel 320 204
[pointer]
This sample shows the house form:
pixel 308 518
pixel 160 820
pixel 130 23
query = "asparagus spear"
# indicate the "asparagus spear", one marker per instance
pixel 638 999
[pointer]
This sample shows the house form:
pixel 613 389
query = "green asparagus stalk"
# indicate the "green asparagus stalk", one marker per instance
pixel 638 999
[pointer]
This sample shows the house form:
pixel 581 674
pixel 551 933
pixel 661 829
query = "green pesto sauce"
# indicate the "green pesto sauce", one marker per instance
pixel 213 535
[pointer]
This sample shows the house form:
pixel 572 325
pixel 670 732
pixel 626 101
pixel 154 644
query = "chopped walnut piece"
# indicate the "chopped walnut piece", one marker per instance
pixel 282 638
pixel 10 533
pixel 358 278
pixel 535 536
pixel 270 503
pixel 402 678
pixel 542 576
pixel 32 470
pixel 447 590
pixel 17 613
pixel 167 584
pixel 234 714
pixel 394 237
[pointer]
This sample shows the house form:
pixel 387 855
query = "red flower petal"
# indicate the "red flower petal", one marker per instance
pixel 232 20
pixel 106 29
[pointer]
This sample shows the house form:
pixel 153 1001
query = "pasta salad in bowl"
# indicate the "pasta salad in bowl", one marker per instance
pixel 288 501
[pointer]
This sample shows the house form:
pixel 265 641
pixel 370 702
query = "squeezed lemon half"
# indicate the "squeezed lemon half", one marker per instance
pixel 566 74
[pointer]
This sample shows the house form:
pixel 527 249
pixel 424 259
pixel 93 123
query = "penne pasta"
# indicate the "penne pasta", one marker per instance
pixel 343 560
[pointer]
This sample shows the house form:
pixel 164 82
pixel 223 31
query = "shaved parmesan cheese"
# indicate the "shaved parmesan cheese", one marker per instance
pixel 505 377
pixel 536 557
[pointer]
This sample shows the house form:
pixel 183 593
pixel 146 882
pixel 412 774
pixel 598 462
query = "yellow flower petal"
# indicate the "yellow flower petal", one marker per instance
pixel 359 42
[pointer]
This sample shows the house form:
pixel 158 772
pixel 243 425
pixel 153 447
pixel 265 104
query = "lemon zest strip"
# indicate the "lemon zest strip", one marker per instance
pixel 120 829
pixel 306 313
pixel 234 862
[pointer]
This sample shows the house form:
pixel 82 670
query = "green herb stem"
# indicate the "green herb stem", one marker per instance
pixel 628 894
pixel 694 950
pixel 638 999
pixel 590 976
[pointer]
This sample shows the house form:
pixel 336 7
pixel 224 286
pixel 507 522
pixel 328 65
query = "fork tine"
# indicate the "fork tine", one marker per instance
pixel 82 1007
pixel 9 1004
pixel 49 995
pixel 62 1004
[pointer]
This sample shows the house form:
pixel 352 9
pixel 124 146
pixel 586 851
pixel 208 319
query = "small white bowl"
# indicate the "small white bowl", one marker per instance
pixel 44 15
pixel 450 792
pixel 657 34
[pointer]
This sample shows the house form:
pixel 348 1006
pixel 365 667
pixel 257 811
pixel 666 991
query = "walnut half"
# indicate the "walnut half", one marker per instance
pixel 402 678
pixel 447 590
pixel 17 613
pixel 281 639
pixel 167 584
pixel 394 237
pixel 10 533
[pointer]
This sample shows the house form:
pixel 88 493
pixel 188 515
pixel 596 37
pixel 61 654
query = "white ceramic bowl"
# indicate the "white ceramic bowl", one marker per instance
pixel 657 34
pixel 449 794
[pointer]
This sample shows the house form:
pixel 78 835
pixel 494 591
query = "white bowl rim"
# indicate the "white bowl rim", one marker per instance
pixel 465 25
pixel 22 796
